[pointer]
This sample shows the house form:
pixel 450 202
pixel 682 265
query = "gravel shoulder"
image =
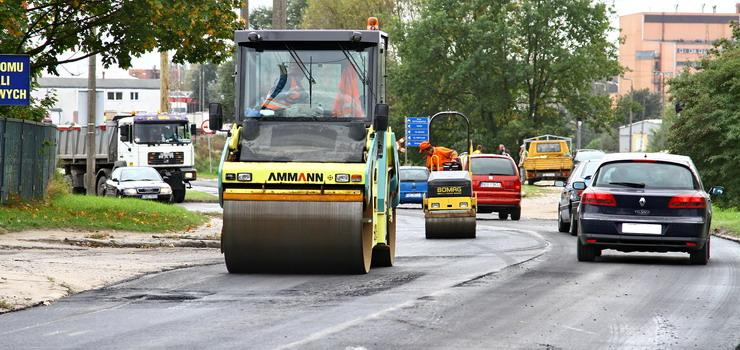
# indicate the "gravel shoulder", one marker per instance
pixel 40 266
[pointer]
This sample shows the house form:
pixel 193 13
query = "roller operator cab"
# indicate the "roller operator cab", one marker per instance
pixel 450 204
pixel 309 175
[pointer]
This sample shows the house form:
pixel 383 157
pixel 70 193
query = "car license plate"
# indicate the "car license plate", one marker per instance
pixel 149 196
pixel 490 184
pixel 548 174
pixel 648 229
pixel 413 195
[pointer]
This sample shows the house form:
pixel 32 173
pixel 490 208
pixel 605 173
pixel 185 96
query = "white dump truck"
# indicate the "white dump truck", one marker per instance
pixel 159 141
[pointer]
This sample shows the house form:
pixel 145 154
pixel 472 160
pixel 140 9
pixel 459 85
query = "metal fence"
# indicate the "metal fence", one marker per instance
pixel 27 158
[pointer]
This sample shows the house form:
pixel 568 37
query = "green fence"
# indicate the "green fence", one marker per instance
pixel 27 158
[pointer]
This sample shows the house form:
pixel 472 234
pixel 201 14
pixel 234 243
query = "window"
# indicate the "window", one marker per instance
pixel 688 50
pixel 645 55
pixel 112 95
pixel 134 96
pixel 414 175
pixel 548 147
pixel 119 95
pixel 492 166
pixel 646 175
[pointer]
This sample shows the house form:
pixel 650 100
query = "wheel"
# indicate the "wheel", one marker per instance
pixel 502 215
pixel 100 188
pixel 384 255
pixel 516 213
pixel 562 226
pixel 234 263
pixel 531 182
pixel 573 223
pixel 700 257
pixel 585 252
pixel 178 196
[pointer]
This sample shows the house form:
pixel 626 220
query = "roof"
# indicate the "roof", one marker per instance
pixel 449 175
pixel 366 36
pixel 81 83
pixel 663 157
pixel 489 155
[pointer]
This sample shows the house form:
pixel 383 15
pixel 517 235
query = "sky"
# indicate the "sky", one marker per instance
pixel 622 7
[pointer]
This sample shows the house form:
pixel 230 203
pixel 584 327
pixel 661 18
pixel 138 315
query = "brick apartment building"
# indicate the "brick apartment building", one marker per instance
pixel 659 45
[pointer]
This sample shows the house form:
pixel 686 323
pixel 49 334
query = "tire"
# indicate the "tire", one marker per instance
pixel 585 252
pixel 573 223
pixel 516 213
pixel 385 255
pixel 232 257
pixel 100 187
pixel 531 182
pixel 178 196
pixel 502 215
pixel 562 226
pixel 700 257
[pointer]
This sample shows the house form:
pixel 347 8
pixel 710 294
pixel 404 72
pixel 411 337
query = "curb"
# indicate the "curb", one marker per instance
pixel 726 236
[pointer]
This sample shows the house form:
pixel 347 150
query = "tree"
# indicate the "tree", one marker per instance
pixel 517 68
pixel 116 30
pixel 644 105
pixel 345 14
pixel 261 17
pixel 708 127
pixel 199 78
pixel 222 89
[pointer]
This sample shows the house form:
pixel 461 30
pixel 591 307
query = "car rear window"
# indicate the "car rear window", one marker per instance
pixel 548 147
pixel 414 174
pixel 492 166
pixel 645 175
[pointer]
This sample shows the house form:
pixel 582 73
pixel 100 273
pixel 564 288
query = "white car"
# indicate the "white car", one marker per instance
pixel 138 182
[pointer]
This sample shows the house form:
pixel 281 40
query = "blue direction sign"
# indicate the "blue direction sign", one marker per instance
pixel 15 80
pixel 417 130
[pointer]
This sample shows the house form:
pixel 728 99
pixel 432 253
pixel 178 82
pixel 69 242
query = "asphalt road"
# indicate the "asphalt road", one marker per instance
pixel 518 285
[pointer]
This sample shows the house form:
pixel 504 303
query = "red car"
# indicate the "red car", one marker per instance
pixel 496 184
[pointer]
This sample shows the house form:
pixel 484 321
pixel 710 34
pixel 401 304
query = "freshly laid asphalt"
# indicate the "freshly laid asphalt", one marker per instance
pixel 518 285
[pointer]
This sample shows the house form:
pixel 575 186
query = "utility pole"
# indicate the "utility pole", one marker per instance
pixel 90 184
pixel 279 14
pixel 164 83
pixel 244 13
pixel 632 96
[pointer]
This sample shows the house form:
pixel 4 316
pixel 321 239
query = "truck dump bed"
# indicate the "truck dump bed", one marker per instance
pixel 71 145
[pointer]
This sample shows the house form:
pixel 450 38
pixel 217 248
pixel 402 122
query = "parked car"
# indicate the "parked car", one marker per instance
pixel 651 202
pixel 547 157
pixel 138 182
pixel 413 183
pixel 570 197
pixel 587 154
pixel 496 185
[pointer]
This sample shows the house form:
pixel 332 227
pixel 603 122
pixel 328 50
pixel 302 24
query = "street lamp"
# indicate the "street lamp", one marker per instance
pixel 630 107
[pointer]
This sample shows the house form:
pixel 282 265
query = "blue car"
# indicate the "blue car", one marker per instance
pixel 413 183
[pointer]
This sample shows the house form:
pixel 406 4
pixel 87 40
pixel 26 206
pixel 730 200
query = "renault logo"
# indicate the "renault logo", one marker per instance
pixel 642 201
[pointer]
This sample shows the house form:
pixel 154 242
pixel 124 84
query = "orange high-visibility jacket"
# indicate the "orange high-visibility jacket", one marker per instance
pixel 348 103
pixel 445 155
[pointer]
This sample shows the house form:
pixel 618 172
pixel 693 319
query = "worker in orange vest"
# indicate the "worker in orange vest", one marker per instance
pixel 347 102
pixel 443 155
pixel 277 98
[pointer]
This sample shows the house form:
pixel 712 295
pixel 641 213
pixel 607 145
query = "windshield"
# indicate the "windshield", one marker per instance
pixel 645 175
pixel 548 147
pixel 586 155
pixel 414 174
pixel 492 166
pixel 161 133
pixel 292 82
pixel 589 169
pixel 139 174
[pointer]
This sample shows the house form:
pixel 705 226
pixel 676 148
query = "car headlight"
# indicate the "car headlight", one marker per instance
pixel 244 176
pixel 129 191
pixel 463 204
pixel 435 205
pixel 189 175
pixel 165 190
pixel 341 178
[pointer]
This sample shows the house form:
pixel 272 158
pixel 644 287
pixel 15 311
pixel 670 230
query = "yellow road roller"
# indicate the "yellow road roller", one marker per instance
pixel 450 203
pixel 308 179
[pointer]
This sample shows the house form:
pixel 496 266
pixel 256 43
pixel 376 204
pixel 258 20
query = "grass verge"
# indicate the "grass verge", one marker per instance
pixel 533 191
pixel 98 213
pixel 727 219
pixel 198 196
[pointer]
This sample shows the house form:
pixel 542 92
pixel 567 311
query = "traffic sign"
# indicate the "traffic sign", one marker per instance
pixel 417 131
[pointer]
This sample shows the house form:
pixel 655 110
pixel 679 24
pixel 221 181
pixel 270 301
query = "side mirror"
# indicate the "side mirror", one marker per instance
pixel 579 185
pixel 717 191
pixel 380 123
pixel 125 132
pixel 559 183
pixel 193 130
pixel 215 116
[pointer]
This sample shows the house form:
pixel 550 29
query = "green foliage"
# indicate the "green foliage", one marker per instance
pixel 199 78
pixel 727 219
pixel 197 196
pixel 644 105
pixel 708 128
pixel 98 213
pixel 206 161
pixel 222 89
pixel 346 14
pixel 261 17
pixel 517 68
pixel 659 137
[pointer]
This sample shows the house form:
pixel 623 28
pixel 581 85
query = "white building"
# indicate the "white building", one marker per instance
pixel 119 96
pixel 641 135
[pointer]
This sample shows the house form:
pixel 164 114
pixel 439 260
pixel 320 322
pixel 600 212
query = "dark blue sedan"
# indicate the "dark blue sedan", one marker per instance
pixel 413 183
pixel 652 202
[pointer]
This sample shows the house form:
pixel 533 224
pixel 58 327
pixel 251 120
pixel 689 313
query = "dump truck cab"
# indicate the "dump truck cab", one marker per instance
pixel 547 158
pixel 309 175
